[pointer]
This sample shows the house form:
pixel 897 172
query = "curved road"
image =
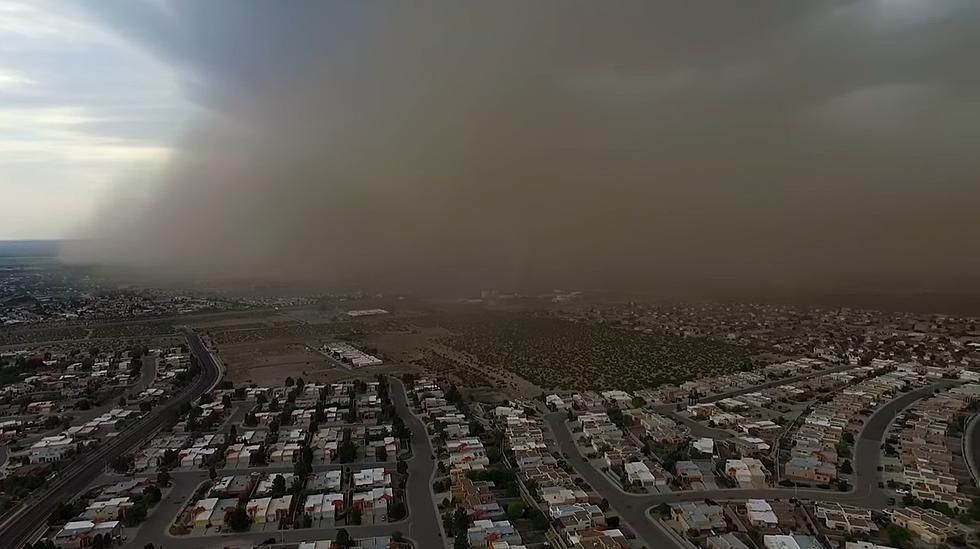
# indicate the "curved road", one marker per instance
pixel 24 524
pixel 633 507
pixel 971 450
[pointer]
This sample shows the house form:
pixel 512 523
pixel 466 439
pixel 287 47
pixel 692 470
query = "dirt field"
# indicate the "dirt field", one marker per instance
pixel 244 321
pixel 270 362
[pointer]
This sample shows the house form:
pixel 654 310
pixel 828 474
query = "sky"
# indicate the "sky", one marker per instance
pixel 434 143
pixel 80 110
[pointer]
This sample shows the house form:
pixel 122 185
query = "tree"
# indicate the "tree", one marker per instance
pixel 355 516
pixel 258 457
pixel 83 404
pixel 289 381
pixel 343 539
pixel 122 401
pixel 302 469
pixel 122 463
pixel 136 514
pixel 604 504
pixel 402 467
pixel 163 478
pixel 399 429
pixel 63 512
pixel 515 510
pixel 539 520
pixel 97 542
pixel 238 520
pixel 346 451
pixel 397 511
pixel 846 467
pixel 278 486
pixel 212 472
pixel 152 494
pixel 897 535
pixel 381 453
pixel 226 400
pixel 232 434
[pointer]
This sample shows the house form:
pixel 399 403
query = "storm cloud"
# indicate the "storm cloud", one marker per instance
pixel 453 144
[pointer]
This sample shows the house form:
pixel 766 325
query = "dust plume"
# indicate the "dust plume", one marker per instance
pixel 453 144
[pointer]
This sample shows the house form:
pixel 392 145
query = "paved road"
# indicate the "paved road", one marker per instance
pixel 971 450
pixel 425 527
pixel 21 525
pixel 865 493
pixel 631 508
pixel 423 524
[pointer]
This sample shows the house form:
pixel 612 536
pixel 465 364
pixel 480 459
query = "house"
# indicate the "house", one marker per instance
pixel 51 449
pixel 326 481
pixel 751 446
pixel 278 509
pixel 704 445
pixel 110 509
pixel 638 474
pixel 323 507
pixel 237 486
pixel 810 469
pixel 747 472
pixel 201 512
pixel 79 533
pixel 759 513
pixel 853 520
pixel 688 471
pixel 258 509
pixel 578 517
pixel 267 483
pixel 596 539
pixel 373 504
pixel 484 531
pixel 41 407
pixel 126 488
pixel 726 541
pixel 555 403
pixel 791 542
pixel 699 516
pixel 928 524
pixel 469 493
pixel 367 479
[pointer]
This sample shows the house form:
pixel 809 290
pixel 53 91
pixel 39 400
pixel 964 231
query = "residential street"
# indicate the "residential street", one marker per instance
pixel 633 507
pixel 422 525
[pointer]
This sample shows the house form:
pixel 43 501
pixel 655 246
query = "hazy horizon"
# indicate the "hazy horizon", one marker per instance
pixel 687 147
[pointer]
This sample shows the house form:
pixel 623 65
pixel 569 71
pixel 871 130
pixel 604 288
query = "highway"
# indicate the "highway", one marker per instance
pixel 23 524
pixel 633 507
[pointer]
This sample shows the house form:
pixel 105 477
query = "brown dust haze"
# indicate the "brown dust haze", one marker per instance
pixel 435 145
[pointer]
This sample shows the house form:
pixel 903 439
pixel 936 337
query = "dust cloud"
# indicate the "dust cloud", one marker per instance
pixel 434 145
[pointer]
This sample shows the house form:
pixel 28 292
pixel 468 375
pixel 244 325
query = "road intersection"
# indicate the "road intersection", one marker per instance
pixel 634 508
